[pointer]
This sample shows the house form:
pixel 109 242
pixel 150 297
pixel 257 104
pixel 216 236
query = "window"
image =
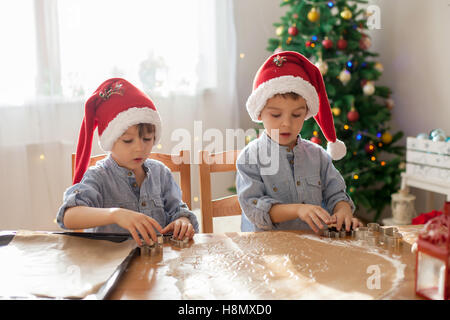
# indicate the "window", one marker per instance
pixel 65 49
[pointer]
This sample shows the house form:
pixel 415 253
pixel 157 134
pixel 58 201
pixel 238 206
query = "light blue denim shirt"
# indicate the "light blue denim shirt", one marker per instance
pixel 107 185
pixel 268 174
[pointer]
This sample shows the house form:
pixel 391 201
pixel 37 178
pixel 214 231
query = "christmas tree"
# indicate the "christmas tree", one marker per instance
pixel 332 34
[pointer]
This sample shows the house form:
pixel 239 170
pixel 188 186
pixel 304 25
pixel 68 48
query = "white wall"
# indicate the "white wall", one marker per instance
pixel 414 48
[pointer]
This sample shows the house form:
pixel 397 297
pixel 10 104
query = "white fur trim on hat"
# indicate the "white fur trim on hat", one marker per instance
pixel 117 126
pixel 284 84
pixel 336 150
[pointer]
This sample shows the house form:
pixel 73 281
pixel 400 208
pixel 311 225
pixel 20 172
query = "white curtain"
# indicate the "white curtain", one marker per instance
pixel 182 53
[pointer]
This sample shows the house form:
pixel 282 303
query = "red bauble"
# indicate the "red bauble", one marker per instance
pixel 342 44
pixel 353 115
pixel 316 140
pixel 327 44
pixel 369 148
pixel 293 31
pixel 308 43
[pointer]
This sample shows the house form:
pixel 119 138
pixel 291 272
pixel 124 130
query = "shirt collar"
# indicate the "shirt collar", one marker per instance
pixel 283 149
pixel 121 171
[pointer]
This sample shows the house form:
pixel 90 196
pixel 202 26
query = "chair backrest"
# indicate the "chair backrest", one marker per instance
pixel 221 207
pixel 175 162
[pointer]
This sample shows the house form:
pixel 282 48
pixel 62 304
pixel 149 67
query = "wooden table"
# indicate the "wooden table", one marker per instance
pixel 153 277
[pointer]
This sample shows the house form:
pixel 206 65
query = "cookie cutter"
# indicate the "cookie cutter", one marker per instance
pixel 392 238
pixel 179 243
pixel 361 233
pixel 333 233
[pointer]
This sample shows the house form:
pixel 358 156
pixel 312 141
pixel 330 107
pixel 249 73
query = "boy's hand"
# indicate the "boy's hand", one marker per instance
pixel 181 228
pixel 134 221
pixel 313 215
pixel 343 216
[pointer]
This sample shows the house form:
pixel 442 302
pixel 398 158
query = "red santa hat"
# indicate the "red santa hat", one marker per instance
pixel 115 106
pixel 290 71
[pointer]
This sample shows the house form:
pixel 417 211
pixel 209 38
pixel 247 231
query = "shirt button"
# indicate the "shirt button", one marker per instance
pixel 134 185
pixel 130 174
pixel 255 202
pixel 292 161
pixel 288 150
pixel 298 182
pixel 319 183
pixel 144 203
pixel 275 189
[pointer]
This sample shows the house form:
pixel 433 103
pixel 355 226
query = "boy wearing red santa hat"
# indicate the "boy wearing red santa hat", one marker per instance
pixel 126 191
pixel 304 190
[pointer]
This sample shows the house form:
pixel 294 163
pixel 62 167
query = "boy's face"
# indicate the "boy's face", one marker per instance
pixel 285 114
pixel 130 150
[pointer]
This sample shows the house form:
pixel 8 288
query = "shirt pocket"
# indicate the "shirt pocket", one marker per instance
pixel 314 190
pixel 155 209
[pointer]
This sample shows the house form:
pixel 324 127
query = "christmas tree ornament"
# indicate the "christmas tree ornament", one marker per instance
pixel 437 132
pixel 342 44
pixel 365 42
pixel 439 137
pixel 279 31
pixel 295 16
pixel 353 116
pixel 346 14
pixel 289 40
pixel 316 140
pixel 308 43
pixel 293 31
pixel 322 65
pixel 278 50
pixel 369 88
pixel 336 111
pixel 313 15
pixel 390 103
pixel 344 76
pixel 327 43
pixel 386 137
pixel 379 67
pixel 369 148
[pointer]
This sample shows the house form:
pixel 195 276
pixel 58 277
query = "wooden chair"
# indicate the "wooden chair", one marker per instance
pixel 176 163
pixel 222 207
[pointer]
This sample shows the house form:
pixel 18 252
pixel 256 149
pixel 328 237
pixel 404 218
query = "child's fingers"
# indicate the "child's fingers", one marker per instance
pixel 339 222
pixel 150 230
pixel 176 228
pixel 135 236
pixel 356 223
pixel 348 223
pixel 323 214
pixel 143 231
pixel 155 224
pixel 310 223
pixel 183 229
pixel 190 232
pixel 168 228
pixel 316 221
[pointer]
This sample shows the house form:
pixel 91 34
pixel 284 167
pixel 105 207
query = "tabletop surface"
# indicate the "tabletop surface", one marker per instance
pixel 272 265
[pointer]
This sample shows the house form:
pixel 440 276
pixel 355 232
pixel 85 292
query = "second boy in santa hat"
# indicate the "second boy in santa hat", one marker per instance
pixel 125 192
pixel 303 189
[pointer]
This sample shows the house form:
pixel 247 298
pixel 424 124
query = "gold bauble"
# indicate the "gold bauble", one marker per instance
pixel 379 67
pixel 279 31
pixel 386 137
pixel 322 66
pixel 336 111
pixel 346 14
pixel 313 15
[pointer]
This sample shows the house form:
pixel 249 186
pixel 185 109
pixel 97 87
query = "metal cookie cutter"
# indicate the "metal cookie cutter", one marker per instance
pixel 179 243
pixel 333 233
pixel 361 233
pixel 392 238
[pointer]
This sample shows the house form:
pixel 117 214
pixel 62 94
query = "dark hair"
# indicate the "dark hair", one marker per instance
pixel 146 128
pixel 291 95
